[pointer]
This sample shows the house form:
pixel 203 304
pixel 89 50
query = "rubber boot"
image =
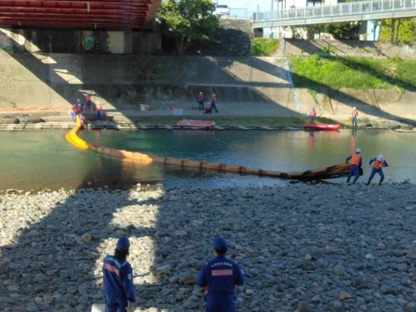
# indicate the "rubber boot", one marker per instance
pixel 381 181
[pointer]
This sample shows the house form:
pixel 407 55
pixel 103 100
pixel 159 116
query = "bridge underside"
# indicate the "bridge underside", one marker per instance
pixel 78 14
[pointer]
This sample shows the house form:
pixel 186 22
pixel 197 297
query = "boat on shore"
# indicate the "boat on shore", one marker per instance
pixel 191 123
pixel 321 126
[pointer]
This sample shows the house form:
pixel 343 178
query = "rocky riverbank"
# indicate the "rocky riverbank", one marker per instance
pixel 304 247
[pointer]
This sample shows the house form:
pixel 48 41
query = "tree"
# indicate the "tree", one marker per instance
pixel 187 20
pixel 343 31
pixel 398 30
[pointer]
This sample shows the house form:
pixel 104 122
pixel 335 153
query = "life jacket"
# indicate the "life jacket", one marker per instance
pixel 378 164
pixel 354 112
pixel 312 113
pixel 98 108
pixel 355 159
pixel 88 97
pixel 200 98
pixel 213 99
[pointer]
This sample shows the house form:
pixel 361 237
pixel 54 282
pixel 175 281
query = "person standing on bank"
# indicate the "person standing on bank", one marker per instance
pixel 88 101
pixel 354 116
pixel 99 110
pixel 378 163
pixel 118 284
pixel 219 276
pixel 214 103
pixel 200 101
pixel 355 161
pixel 312 115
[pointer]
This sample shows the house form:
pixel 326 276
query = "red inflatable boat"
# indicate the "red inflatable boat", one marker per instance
pixel 190 123
pixel 321 126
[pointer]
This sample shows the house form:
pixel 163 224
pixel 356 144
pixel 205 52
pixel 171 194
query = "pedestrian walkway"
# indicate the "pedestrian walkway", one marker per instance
pixel 341 12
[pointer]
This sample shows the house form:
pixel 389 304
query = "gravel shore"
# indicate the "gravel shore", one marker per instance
pixel 303 247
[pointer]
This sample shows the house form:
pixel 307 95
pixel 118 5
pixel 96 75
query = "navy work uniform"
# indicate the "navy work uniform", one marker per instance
pixel 118 280
pixel 219 276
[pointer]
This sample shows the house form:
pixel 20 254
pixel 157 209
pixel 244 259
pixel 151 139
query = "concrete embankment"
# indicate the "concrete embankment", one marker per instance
pixel 149 85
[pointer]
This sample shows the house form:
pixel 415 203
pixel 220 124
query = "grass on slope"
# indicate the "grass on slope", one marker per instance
pixel 315 72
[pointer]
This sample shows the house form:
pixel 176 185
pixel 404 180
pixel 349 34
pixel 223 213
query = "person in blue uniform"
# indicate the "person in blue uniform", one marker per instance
pixel 219 276
pixel 378 163
pixel 355 161
pixel 118 279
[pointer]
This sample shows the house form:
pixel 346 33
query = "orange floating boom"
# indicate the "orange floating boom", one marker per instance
pixel 334 171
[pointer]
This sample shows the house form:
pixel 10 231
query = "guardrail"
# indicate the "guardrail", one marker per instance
pixel 343 12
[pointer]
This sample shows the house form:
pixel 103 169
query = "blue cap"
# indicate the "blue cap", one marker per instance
pixel 123 243
pixel 219 242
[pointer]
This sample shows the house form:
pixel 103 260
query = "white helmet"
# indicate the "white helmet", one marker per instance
pixel 380 157
pixel 354 107
pixel 358 150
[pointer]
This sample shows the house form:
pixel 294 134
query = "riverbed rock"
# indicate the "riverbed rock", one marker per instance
pixel 297 255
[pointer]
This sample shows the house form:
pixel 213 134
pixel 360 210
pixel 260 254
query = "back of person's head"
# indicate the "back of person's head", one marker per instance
pixel 122 248
pixel 220 245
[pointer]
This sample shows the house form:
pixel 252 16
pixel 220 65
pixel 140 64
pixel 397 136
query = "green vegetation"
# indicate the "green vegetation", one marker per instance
pixel 264 46
pixel 344 30
pixel 315 72
pixel 402 32
pixel 186 21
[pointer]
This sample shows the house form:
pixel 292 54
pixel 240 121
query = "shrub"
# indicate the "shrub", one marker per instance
pixel 264 46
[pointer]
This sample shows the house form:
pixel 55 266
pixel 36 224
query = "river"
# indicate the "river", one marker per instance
pixel 35 160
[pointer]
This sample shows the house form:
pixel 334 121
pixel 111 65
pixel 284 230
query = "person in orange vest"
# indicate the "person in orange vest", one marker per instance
pixel 354 115
pixel 355 161
pixel 72 112
pixel 98 110
pixel 214 103
pixel 88 101
pixel 200 101
pixel 312 115
pixel 378 163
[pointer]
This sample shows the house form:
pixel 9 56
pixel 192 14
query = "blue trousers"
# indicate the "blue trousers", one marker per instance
pixel 372 174
pixel 115 305
pixel 220 307
pixel 201 105
pixel 214 107
pixel 354 172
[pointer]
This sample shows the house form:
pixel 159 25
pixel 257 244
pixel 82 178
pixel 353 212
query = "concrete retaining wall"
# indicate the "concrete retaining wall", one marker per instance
pixel 257 84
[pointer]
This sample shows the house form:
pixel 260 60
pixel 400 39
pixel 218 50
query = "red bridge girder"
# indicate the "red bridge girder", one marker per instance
pixel 95 14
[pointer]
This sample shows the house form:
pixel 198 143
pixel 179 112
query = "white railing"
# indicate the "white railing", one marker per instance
pixel 361 10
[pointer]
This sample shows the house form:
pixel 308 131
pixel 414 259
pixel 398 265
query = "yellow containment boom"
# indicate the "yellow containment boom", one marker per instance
pixel 144 159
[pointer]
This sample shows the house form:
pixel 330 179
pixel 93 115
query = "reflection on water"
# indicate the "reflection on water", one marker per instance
pixel 37 160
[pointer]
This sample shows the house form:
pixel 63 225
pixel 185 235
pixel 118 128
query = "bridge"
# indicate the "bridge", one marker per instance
pixel 79 14
pixel 342 12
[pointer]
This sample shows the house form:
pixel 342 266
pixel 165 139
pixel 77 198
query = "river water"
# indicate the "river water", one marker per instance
pixel 33 160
